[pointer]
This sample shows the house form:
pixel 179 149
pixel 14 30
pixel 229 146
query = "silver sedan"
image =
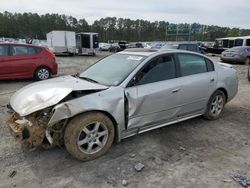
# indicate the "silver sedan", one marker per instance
pixel 122 95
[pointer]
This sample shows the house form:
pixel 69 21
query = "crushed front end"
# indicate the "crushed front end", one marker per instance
pixel 33 129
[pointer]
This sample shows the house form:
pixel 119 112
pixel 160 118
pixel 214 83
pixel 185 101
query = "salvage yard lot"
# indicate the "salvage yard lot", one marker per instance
pixel 194 153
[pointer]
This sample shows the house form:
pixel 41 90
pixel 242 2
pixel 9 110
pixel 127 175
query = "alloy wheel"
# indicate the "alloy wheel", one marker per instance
pixel 92 138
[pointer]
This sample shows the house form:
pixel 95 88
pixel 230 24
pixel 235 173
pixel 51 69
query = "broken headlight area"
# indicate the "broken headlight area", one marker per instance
pixel 34 130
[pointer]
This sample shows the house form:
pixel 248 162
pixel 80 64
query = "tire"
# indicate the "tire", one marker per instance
pixel 89 136
pixel 247 61
pixel 215 106
pixel 42 73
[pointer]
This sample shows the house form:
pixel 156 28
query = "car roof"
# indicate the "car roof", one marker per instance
pixel 19 44
pixel 150 52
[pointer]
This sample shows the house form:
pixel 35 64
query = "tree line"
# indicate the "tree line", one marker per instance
pixel 33 25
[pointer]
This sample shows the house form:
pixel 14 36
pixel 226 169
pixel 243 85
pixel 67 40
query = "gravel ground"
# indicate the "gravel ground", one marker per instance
pixel 192 154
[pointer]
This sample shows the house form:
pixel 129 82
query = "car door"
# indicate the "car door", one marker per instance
pixel 4 61
pixel 153 96
pixel 22 61
pixel 198 80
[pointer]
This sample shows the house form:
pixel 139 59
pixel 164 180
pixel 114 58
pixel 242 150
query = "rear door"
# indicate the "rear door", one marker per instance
pixel 198 80
pixel 154 96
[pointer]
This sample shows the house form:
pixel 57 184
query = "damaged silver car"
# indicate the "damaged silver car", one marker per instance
pixel 122 95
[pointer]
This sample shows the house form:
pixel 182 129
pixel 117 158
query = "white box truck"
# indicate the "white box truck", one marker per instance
pixel 87 43
pixel 62 42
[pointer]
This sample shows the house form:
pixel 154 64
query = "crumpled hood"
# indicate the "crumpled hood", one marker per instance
pixel 43 94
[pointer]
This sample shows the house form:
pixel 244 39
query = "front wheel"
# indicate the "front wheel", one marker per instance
pixel 215 105
pixel 89 136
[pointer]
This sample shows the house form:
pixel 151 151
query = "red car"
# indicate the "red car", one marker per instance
pixel 26 61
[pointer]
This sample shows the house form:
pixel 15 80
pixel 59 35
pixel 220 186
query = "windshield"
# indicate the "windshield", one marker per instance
pixel 113 69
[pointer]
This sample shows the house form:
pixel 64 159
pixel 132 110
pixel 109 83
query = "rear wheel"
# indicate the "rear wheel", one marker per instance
pixel 42 73
pixel 215 105
pixel 89 136
pixel 247 61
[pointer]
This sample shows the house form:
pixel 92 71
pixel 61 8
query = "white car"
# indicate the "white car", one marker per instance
pixel 104 46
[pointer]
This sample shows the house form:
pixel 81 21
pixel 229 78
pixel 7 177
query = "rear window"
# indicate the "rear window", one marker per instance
pixel 192 47
pixel 24 50
pixel 4 50
pixel 238 42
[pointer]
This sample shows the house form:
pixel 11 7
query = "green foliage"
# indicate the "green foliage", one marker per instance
pixel 32 25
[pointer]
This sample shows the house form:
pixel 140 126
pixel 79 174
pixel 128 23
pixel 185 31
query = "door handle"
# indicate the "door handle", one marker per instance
pixel 212 80
pixel 176 90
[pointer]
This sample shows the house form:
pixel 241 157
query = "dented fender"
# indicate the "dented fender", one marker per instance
pixel 100 101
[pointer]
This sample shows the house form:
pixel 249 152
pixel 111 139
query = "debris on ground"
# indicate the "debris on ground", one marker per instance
pixel 227 180
pixel 242 180
pixel 182 148
pixel 12 174
pixel 132 155
pixel 124 182
pixel 139 167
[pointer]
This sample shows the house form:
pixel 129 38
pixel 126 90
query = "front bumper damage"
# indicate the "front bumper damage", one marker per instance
pixel 33 130
pixel 26 130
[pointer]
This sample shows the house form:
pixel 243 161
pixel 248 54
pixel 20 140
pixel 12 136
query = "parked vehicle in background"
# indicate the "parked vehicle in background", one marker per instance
pixel 222 44
pixel 135 45
pixel 239 54
pixel 117 47
pixel 146 45
pixel 87 43
pixel 26 61
pixel 104 46
pixel 145 89
pixel 193 47
pixel 62 42
pixel 157 45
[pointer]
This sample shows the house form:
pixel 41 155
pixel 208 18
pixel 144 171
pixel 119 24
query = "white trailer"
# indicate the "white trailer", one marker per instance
pixel 62 42
pixel 87 43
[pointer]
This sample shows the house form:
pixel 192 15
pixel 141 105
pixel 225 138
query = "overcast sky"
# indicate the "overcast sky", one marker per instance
pixel 232 13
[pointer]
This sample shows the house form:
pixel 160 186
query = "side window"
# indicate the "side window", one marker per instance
pixel 248 42
pixel 31 50
pixel 192 64
pixel 4 50
pixel 162 68
pixel 210 65
pixel 19 50
pixel 192 48
pixel 182 47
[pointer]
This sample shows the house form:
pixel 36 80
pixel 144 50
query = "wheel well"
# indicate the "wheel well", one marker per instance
pixel 225 92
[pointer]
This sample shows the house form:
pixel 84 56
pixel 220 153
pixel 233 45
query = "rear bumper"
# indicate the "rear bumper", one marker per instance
pixel 233 59
pixel 54 69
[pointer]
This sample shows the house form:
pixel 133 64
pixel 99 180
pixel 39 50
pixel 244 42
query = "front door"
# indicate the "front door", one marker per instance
pixel 153 98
